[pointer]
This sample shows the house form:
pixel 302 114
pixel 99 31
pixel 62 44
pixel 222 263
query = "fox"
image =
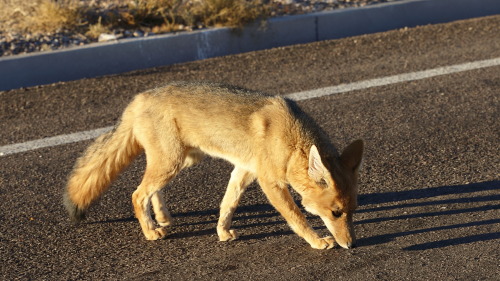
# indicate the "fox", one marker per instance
pixel 268 139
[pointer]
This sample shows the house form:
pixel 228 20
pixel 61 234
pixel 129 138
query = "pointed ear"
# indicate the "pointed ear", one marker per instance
pixel 352 155
pixel 316 168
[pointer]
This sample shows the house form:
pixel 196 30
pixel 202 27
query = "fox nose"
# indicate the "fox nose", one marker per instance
pixel 351 245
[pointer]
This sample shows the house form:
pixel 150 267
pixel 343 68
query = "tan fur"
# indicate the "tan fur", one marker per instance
pixel 267 138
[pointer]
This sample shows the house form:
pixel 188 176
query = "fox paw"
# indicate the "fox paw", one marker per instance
pixel 324 243
pixel 155 234
pixel 225 235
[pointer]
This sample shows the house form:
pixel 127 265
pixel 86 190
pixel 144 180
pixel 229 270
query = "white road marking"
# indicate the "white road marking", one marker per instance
pixel 399 78
pixel 343 88
pixel 52 141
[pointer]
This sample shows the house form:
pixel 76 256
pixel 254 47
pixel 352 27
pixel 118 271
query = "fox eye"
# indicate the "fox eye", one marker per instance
pixel 337 214
pixel 322 183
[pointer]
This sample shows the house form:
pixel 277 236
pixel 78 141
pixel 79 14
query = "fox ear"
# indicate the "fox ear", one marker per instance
pixel 352 155
pixel 316 168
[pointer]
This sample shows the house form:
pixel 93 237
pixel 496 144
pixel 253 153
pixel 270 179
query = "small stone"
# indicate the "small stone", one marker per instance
pixel 107 37
pixel 138 33
pixel 127 34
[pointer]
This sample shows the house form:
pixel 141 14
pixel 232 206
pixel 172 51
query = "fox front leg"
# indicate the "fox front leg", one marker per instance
pixel 282 200
pixel 240 179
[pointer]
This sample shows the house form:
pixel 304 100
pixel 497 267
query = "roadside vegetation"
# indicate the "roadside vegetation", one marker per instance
pixel 93 17
pixel 28 26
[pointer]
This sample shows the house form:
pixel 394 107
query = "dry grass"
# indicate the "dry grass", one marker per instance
pixel 229 13
pixel 38 16
pixel 92 17
pixel 97 29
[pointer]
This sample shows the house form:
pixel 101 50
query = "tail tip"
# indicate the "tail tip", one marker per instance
pixel 75 213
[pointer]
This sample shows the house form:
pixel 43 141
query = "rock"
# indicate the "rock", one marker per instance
pixel 127 34
pixel 107 37
pixel 138 33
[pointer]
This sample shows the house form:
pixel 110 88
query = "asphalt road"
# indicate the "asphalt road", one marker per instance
pixel 429 202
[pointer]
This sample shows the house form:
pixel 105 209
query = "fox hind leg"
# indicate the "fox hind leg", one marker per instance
pixel 164 157
pixel 151 184
pixel 162 215
pixel 240 179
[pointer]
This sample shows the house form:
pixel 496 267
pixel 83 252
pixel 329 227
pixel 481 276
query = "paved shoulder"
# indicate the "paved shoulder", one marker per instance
pixel 429 187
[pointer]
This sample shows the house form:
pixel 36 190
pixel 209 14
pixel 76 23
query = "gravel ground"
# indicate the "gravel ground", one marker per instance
pixel 12 43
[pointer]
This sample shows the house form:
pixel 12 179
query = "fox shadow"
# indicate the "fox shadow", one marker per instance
pixel 398 200
pixel 491 202
pixel 246 216
pixel 262 215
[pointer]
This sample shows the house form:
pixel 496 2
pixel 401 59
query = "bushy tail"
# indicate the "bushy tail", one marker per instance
pixel 98 167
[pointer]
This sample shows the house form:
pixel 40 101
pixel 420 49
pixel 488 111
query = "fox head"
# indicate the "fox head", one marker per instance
pixel 331 190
